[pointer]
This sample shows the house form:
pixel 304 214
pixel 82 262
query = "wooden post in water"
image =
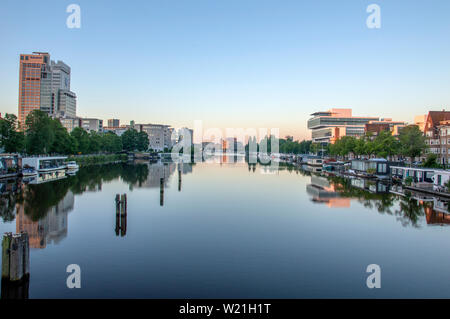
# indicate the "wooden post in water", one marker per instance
pixel 121 214
pixel 26 253
pixel 15 257
pixel 117 214
pixel 161 192
pixel 6 243
pixel 179 179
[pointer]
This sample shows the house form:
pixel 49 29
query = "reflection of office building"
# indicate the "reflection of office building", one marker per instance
pixel 323 191
pixel 156 172
pixel 50 229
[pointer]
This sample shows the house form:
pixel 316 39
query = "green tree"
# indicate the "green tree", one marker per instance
pixel 431 161
pixel 142 141
pixel 39 134
pixel 412 141
pixel 129 140
pixel 63 142
pixel 11 139
pixel 81 138
pixel 111 143
pixel 386 145
pixel 95 142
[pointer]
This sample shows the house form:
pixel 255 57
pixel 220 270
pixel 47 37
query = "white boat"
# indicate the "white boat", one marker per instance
pixel 72 165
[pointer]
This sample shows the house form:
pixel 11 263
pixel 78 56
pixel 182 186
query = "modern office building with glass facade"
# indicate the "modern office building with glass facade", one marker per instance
pixel 327 127
pixel 44 85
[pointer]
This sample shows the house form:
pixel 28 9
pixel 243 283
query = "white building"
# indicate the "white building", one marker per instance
pixel 91 124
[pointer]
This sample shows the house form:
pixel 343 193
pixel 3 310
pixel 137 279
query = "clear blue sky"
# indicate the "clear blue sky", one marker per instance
pixel 236 63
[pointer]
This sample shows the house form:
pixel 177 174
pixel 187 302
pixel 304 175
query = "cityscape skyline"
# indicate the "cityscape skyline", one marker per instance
pixel 251 61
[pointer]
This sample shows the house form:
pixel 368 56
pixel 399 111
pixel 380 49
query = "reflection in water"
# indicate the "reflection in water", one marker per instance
pixel 408 209
pixel 15 290
pixel 51 227
pixel 42 210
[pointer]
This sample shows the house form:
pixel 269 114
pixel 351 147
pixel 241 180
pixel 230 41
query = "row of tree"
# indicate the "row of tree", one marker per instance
pixel 410 143
pixel 285 146
pixel 44 135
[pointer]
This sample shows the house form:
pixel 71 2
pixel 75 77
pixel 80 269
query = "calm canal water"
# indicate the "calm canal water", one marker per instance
pixel 228 230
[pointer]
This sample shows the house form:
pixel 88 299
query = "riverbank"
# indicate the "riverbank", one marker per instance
pixel 85 160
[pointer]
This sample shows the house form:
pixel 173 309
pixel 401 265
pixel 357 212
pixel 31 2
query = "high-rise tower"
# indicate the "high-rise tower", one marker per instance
pixel 34 84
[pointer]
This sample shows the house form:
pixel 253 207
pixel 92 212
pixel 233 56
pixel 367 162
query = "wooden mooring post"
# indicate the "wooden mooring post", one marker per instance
pixel 15 265
pixel 161 192
pixel 121 214
pixel 179 179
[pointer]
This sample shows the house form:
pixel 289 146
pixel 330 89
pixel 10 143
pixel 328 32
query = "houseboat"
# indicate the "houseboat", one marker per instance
pixel 45 163
pixel 371 168
pixel 49 176
pixel 373 186
pixel 10 165
pixel 418 175
pixel 440 178
pixel 333 166
pixel 315 161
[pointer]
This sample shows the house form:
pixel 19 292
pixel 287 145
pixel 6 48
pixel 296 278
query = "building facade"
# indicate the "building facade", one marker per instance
pixel 327 127
pixel 159 136
pixel 384 124
pixel 34 85
pixel 91 124
pixel 113 123
pixel 437 133
pixel 70 123
pixel 44 85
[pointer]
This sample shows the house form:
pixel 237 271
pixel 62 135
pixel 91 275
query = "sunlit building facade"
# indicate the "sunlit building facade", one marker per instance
pixel 44 85
pixel 327 127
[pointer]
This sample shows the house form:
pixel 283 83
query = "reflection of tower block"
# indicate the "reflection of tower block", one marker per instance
pixel 224 146
pixel 15 266
pixel 121 214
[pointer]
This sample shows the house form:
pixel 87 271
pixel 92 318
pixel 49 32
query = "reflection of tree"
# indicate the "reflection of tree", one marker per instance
pixel 10 194
pixel 134 174
pixel 7 205
pixel 410 211
pixel 38 199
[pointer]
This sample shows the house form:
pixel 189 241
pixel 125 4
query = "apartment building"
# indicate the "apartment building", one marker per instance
pixel 436 132
pixel 91 124
pixel 159 135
